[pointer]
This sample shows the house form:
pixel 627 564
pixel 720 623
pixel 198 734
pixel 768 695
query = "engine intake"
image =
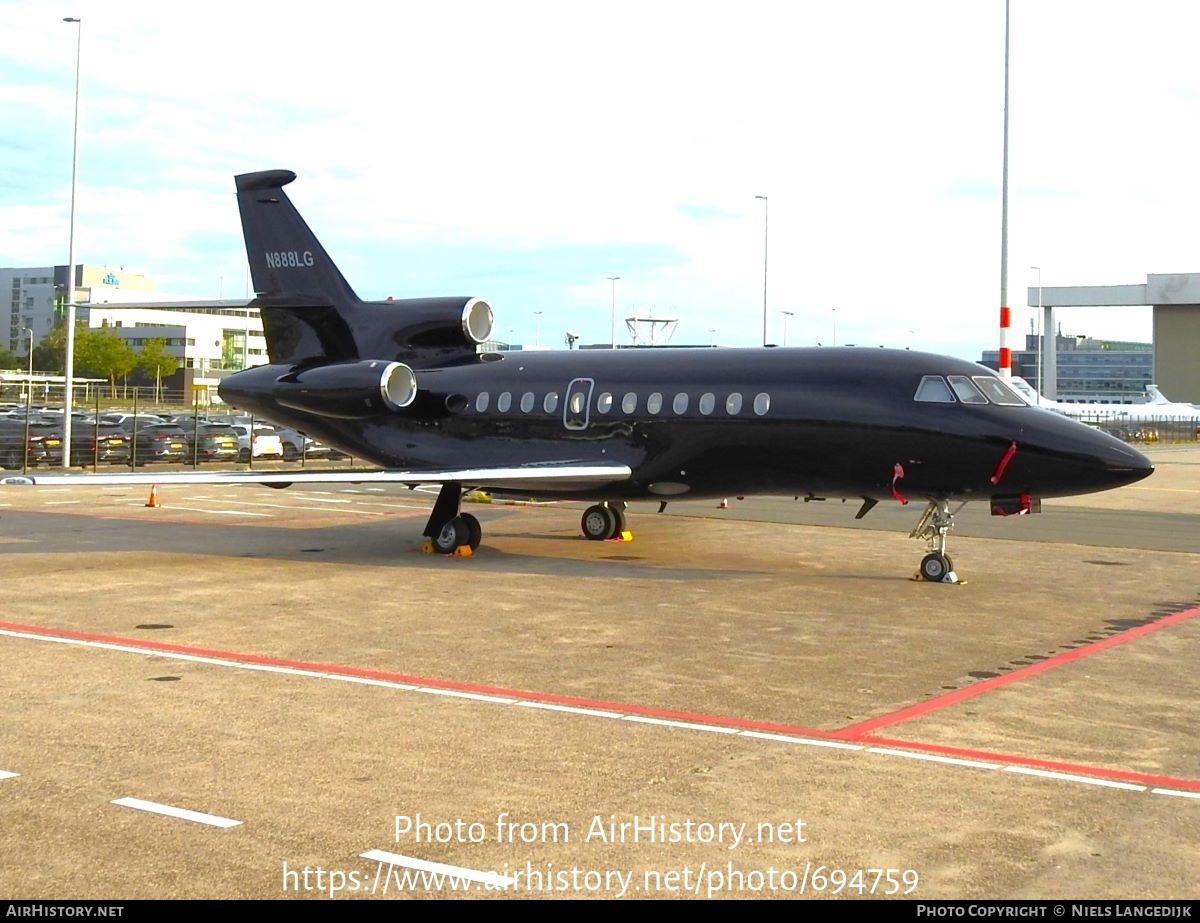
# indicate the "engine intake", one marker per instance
pixel 349 390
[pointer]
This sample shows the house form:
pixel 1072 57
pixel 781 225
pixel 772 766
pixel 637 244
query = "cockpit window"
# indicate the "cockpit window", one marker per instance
pixel 934 390
pixel 998 392
pixel 965 390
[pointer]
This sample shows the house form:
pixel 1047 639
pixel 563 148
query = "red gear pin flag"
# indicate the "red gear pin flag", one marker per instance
pixel 897 475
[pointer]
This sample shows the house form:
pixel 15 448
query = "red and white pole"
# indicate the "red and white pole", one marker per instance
pixel 1005 314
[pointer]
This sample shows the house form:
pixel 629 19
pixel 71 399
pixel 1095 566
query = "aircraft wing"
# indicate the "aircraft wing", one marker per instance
pixel 556 476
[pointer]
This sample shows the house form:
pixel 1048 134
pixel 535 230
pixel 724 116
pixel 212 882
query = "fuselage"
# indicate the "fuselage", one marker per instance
pixel 826 422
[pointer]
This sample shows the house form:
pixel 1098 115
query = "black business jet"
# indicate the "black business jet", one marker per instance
pixel 405 385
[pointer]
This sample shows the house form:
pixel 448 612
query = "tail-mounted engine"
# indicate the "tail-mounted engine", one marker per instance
pixel 439 323
pixel 349 390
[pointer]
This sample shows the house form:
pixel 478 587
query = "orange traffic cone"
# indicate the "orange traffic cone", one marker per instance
pixel 724 504
pixel 153 499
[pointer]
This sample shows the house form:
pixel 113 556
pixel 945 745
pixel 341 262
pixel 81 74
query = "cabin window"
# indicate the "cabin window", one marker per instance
pixel 503 402
pixel 762 403
pixel 679 405
pixel 604 403
pixel 733 404
pixel 965 390
pixel 550 404
pixel 707 402
pixel 577 402
pixel 654 403
pixel 527 400
pixel 481 401
pixel 934 390
pixel 629 402
pixel 998 392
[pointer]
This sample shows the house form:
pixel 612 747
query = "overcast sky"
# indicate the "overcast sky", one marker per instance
pixel 523 152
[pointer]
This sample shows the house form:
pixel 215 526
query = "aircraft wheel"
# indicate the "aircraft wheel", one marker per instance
pixel 453 534
pixel 474 530
pixel 936 566
pixel 619 516
pixel 599 523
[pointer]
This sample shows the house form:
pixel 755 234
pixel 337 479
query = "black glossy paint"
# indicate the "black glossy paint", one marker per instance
pixel 842 422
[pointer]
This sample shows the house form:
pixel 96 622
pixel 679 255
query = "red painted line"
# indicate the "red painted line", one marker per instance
pixel 863 728
pixel 478 688
pixel 1034 763
pixel 714 720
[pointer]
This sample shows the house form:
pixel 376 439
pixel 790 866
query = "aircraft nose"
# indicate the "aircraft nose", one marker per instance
pixel 1124 464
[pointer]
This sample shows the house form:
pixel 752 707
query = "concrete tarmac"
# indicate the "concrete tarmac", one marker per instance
pixel 254 693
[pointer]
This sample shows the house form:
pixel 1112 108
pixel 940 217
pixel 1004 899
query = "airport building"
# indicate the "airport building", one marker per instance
pixel 1087 370
pixel 1174 300
pixel 210 338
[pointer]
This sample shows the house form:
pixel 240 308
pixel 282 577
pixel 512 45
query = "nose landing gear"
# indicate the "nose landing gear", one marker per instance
pixel 934 525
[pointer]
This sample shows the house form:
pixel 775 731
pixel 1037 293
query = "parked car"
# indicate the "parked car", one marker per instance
pixel 297 445
pixel 42 447
pixel 212 442
pixel 128 420
pixel 97 444
pixel 165 442
pixel 264 443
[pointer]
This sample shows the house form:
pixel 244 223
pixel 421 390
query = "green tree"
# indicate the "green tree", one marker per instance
pixel 50 352
pixel 101 353
pixel 157 363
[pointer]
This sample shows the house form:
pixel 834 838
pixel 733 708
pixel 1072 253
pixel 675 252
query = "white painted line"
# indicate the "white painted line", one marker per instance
pixel 1070 777
pixel 805 741
pixel 201 509
pixel 182 813
pixel 325 500
pixel 60 502
pixel 1174 792
pixel 438 868
pixel 686 725
pixel 570 709
pixel 934 758
pixel 5 774
pixel 368 681
pixel 457 694
pixel 317 509
pixel 272 668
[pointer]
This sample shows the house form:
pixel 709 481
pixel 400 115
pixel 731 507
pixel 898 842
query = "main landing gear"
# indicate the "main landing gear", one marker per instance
pixel 603 521
pixel 935 523
pixel 448 530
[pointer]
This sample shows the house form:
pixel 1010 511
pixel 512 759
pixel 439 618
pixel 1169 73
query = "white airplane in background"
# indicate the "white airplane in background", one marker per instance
pixel 1156 407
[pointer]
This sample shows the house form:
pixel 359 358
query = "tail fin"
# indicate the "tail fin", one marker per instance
pixel 305 301
pixel 1154 396
pixel 285 256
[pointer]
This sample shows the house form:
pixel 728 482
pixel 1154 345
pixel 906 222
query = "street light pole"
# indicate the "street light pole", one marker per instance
pixel 537 336
pixel 1039 333
pixel 834 310
pixel 764 201
pixel 613 280
pixel 69 360
pixel 786 315
pixel 28 403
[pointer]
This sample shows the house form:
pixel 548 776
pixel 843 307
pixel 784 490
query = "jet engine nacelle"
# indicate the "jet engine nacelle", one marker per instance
pixel 349 390
pixel 438 323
